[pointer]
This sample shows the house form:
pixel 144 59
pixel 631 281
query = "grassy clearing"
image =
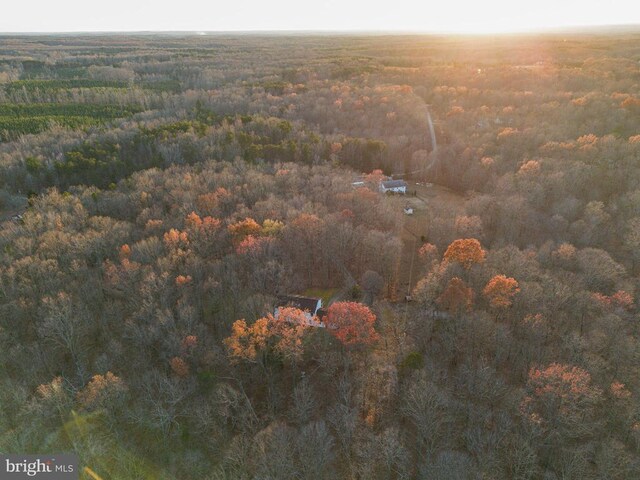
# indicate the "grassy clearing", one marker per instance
pixel 324 293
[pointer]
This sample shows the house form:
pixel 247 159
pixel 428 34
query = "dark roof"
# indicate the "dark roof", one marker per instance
pixel 298 301
pixel 394 183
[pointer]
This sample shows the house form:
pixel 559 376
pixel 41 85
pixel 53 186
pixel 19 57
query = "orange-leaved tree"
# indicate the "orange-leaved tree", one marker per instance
pixel 352 323
pixel 289 327
pixel 175 238
pixel 179 366
pixel 500 291
pixel 282 334
pixel 252 245
pixel 466 252
pixel 246 341
pixel 245 227
pixel 194 223
pixel 101 390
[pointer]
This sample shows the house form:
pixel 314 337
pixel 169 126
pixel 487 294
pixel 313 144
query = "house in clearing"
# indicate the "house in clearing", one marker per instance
pixel 311 306
pixel 394 186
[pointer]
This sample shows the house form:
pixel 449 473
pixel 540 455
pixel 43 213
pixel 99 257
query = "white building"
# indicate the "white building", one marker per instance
pixel 394 186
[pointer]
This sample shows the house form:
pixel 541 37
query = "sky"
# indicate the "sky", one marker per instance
pixel 461 16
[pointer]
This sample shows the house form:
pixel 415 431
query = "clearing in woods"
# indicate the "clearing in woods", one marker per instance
pixel 428 197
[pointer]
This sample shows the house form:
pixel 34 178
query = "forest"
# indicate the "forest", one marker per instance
pixel 160 193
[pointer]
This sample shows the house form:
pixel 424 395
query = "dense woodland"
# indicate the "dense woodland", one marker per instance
pixel 158 192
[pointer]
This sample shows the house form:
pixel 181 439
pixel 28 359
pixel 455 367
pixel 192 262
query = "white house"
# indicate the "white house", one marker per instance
pixel 408 211
pixel 394 186
pixel 309 305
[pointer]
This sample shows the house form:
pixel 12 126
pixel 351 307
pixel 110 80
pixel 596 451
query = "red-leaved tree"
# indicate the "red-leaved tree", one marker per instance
pixel 352 323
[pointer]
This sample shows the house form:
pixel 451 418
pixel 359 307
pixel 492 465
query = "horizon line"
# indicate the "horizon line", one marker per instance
pixel 355 31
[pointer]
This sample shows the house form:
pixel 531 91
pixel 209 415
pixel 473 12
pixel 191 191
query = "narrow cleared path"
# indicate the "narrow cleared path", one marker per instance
pixel 427 199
